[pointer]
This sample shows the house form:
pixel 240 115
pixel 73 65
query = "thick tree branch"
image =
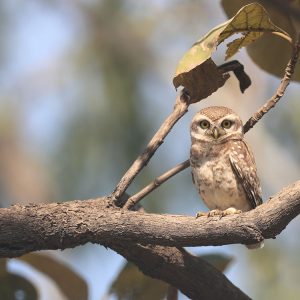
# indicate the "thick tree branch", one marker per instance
pixel 192 275
pixel 58 226
pixel 65 225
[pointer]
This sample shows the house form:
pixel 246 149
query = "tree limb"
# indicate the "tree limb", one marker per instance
pixel 196 278
pixel 54 226
pixel 65 225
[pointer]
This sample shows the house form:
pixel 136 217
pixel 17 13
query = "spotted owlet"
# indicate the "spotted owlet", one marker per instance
pixel 223 167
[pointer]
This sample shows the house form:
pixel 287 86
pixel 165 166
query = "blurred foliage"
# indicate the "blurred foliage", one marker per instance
pixel 70 283
pixel 133 284
pixel 271 269
pixel 287 128
pixel 219 261
pixel 273 62
pixel 110 65
pixel 13 287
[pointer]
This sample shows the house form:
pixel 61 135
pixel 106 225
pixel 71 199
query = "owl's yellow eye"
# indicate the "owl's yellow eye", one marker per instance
pixel 204 124
pixel 226 124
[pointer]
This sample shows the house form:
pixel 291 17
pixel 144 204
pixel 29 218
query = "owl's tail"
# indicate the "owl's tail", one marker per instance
pixel 256 246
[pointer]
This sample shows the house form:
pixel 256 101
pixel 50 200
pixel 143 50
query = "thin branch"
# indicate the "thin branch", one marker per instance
pixel 289 71
pixel 133 200
pixel 180 108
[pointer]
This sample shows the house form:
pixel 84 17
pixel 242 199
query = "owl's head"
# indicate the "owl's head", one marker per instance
pixel 216 124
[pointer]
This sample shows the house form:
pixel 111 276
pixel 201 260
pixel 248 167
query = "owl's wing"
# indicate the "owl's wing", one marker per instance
pixel 243 165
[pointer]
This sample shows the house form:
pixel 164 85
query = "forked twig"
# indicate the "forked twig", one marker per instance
pixel 248 125
pixel 155 184
pixel 180 108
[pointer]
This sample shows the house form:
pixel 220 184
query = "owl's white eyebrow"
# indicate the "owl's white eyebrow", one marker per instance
pixel 230 117
pixel 200 118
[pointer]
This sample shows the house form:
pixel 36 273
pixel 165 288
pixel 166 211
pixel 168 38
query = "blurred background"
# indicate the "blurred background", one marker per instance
pixel 84 86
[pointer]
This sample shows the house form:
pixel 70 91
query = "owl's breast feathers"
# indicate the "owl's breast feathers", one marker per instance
pixel 225 175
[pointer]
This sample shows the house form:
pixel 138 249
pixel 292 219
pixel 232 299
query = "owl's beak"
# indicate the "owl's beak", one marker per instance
pixel 215 132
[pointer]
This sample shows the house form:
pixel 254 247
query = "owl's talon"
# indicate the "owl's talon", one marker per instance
pixel 218 213
pixel 231 211
pixel 215 212
pixel 201 214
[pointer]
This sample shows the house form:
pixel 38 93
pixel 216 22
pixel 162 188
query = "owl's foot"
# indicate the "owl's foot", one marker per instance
pixel 231 211
pixel 215 212
pixel 212 213
pixel 201 214
pixel 220 213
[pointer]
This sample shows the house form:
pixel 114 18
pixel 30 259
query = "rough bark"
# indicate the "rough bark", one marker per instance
pixel 193 276
pixel 65 225
pixel 149 240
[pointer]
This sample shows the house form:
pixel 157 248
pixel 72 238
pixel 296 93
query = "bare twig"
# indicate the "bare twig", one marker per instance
pixel 180 108
pixel 155 184
pixel 280 90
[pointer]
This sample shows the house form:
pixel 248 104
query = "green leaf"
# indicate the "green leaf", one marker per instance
pixel 273 62
pixel 70 283
pixel 195 68
pixel 219 261
pixel 252 21
pixel 133 284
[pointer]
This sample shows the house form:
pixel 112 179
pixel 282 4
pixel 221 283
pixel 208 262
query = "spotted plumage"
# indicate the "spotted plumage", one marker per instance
pixel 223 167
